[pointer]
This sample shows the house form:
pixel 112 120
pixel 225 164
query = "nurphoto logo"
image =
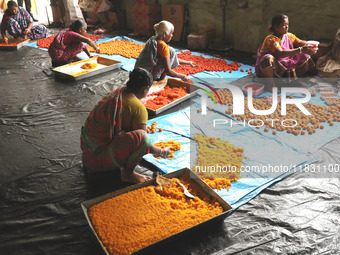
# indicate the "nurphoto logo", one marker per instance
pixel 238 100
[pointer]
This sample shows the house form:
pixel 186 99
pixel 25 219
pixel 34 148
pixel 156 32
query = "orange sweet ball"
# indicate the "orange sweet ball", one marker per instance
pixel 136 219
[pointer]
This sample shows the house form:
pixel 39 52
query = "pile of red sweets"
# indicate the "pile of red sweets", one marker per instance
pixel 165 97
pixel 207 64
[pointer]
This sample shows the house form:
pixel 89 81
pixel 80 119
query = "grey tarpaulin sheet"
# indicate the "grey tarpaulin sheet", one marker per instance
pixel 42 182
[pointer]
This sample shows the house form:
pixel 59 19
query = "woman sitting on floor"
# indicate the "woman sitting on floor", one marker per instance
pixel 159 58
pixel 114 135
pixel 282 53
pixel 19 23
pixel 69 42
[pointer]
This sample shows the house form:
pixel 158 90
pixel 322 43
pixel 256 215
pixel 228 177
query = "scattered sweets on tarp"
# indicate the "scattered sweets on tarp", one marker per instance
pixel 296 122
pixel 215 153
pixel 153 128
pixel 154 214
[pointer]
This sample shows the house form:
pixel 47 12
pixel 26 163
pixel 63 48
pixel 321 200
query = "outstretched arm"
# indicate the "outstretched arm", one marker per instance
pixel 171 72
pixel 279 53
pixel 154 149
pixel 185 62
pixel 84 39
pixel 3 31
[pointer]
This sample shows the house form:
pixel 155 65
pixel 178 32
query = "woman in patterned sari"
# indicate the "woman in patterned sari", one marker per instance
pixel 282 53
pixel 19 23
pixel 114 135
pixel 159 58
pixel 69 42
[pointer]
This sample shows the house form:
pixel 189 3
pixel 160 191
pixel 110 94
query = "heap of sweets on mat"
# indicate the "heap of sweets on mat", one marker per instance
pixel 218 154
pixel 174 146
pixel 165 97
pixel 81 72
pixel 46 42
pixel 153 128
pixel 207 64
pixel 89 66
pixel 136 219
pixel 122 47
pixel 329 95
pixel 320 115
pixel 8 44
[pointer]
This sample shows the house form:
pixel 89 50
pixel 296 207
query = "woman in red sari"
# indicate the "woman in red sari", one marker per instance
pixel 69 42
pixel 282 53
pixel 114 135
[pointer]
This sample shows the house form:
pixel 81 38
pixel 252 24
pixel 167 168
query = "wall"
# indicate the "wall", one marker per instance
pixel 247 27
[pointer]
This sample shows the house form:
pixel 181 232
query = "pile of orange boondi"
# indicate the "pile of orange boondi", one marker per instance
pixel 136 219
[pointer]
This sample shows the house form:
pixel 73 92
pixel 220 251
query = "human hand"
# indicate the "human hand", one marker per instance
pixel 309 50
pixel 185 78
pixel 6 40
pixel 97 50
pixel 26 31
pixel 165 151
pixel 192 64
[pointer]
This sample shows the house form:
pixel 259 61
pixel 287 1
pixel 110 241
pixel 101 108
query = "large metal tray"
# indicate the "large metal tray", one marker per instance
pixel 192 90
pixel 18 44
pixel 194 178
pixel 68 71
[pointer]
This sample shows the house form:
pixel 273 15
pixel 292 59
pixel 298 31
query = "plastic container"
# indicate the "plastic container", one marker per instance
pixel 257 89
pixel 313 45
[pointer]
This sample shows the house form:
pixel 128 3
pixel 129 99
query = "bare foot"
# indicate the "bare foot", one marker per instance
pixel 134 177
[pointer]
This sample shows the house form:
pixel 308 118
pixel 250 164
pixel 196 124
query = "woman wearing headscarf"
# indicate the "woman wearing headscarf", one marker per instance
pixel 69 42
pixel 19 23
pixel 159 58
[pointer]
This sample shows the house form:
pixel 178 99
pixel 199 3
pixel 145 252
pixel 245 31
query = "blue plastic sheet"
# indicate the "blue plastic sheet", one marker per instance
pixel 260 151
pixel 179 123
pixel 267 162
pixel 305 143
